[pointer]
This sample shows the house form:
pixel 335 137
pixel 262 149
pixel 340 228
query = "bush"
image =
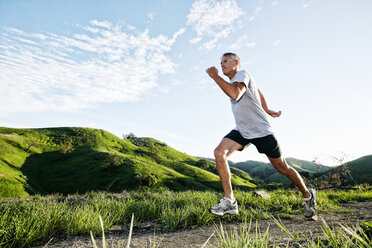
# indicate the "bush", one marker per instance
pixel 202 163
pixel 112 161
pixel 66 146
pixel 10 189
pixel 146 178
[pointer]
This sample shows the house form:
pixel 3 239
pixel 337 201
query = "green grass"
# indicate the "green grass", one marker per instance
pixel 252 236
pixel 32 220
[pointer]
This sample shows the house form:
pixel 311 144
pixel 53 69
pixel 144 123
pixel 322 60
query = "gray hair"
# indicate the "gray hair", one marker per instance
pixel 233 56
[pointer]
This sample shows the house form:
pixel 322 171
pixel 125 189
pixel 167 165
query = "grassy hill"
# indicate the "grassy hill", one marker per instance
pixel 77 160
pixel 358 171
pixel 361 169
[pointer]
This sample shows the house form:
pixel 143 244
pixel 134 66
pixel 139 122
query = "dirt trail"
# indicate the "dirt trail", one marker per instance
pixel 144 237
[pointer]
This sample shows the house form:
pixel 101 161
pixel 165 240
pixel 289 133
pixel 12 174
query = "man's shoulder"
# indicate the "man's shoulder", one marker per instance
pixel 241 76
pixel 242 72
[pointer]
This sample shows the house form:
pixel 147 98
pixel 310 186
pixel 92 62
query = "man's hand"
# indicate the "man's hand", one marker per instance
pixel 212 72
pixel 273 113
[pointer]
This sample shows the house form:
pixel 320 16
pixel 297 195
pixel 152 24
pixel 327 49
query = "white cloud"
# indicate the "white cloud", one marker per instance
pixel 274 3
pixel 256 13
pixel 210 44
pixel 258 10
pixel 251 44
pixel 213 20
pixel 238 44
pixel 306 5
pixel 104 63
pixel 102 24
pixel 151 16
pixel 195 40
pixel 276 43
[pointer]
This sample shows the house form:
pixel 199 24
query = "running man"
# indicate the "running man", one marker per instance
pixel 252 127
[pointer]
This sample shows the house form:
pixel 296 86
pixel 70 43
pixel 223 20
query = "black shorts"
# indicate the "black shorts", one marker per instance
pixel 267 145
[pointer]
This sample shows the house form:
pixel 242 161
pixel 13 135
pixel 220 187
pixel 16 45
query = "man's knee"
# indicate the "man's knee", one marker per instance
pixel 219 153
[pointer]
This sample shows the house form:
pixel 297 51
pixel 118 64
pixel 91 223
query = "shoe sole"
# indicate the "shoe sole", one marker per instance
pixel 310 216
pixel 231 212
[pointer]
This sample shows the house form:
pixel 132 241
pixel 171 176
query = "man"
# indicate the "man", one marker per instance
pixel 252 127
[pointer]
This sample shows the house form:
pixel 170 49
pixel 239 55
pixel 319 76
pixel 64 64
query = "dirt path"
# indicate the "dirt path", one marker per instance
pixel 144 236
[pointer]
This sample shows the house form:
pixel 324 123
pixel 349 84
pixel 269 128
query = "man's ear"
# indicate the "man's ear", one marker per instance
pixel 237 64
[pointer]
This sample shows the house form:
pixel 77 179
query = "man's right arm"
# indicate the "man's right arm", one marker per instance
pixel 234 91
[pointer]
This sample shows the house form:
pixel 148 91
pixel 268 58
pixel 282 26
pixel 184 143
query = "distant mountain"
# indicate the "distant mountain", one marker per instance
pixel 268 174
pixel 77 160
pixel 360 169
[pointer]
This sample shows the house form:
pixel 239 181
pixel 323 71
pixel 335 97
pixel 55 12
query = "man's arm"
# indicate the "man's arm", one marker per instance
pixel 234 91
pixel 267 110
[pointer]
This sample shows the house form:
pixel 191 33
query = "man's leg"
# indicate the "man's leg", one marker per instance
pixel 283 168
pixel 228 204
pixel 221 153
pixel 309 201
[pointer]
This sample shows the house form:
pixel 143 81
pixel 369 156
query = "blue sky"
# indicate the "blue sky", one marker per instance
pixel 139 66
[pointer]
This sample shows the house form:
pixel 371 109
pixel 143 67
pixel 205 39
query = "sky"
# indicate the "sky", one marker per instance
pixel 139 67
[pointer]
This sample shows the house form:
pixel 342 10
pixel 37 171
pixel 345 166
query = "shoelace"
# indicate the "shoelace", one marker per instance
pixel 220 203
pixel 223 201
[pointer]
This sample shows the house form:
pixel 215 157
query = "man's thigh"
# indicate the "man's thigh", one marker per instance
pixel 228 146
pixel 268 145
pixel 238 138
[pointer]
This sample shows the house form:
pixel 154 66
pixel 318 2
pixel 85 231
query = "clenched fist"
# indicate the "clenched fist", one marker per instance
pixel 212 72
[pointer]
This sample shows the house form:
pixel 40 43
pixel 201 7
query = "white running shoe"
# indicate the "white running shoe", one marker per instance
pixel 225 207
pixel 310 207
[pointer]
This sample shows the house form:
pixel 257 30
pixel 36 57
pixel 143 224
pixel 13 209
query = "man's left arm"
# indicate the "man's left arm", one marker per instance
pixel 267 110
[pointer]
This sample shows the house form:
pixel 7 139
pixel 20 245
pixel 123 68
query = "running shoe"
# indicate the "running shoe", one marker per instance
pixel 225 207
pixel 310 207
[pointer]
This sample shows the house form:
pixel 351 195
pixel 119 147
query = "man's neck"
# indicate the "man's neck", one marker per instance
pixel 232 74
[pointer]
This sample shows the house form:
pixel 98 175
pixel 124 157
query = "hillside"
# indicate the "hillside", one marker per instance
pixel 77 160
pixel 360 169
pixel 266 172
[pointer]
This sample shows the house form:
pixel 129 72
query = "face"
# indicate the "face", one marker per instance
pixel 228 65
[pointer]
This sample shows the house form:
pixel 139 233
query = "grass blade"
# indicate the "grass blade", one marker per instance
pixel 103 233
pixel 206 242
pixel 355 235
pixel 93 241
pixel 130 231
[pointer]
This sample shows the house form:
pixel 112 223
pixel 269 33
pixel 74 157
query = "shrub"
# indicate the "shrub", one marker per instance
pixel 66 146
pixel 146 178
pixel 10 188
pixel 202 163
pixel 112 161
